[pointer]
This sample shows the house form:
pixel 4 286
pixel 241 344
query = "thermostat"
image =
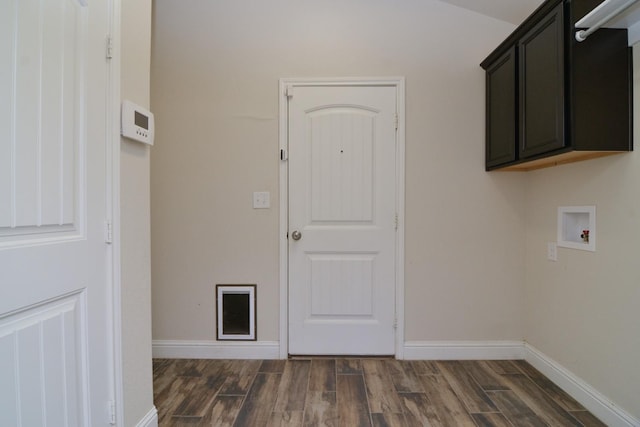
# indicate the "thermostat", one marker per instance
pixel 137 123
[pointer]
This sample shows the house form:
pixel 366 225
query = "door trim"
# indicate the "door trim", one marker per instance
pixel 399 84
pixel 112 215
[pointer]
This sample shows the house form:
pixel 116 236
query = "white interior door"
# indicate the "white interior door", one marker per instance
pixel 342 219
pixel 56 352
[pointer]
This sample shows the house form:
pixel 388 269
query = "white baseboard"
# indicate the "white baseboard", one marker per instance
pixel 598 404
pixel 463 350
pixel 165 349
pixel 149 420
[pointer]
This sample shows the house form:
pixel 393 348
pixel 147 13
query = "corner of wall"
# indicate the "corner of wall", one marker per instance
pixel 135 259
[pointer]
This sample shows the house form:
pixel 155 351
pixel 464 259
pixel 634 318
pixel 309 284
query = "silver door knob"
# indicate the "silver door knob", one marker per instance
pixel 296 235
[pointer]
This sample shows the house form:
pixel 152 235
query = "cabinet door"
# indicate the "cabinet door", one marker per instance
pixel 501 110
pixel 541 74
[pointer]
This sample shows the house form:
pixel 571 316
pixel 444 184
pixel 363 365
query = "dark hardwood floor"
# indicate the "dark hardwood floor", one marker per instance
pixel 360 392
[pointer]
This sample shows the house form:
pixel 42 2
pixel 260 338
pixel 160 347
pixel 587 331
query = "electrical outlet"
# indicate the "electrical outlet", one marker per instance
pixel 552 251
pixel 261 200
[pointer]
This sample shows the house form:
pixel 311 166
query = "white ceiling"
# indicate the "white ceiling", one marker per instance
pixel 514 11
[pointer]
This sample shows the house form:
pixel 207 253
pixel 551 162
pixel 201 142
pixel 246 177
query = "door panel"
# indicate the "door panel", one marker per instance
pixel 342 200
pixel 341 285
pixel 56 351
pixel 44 345
pixel 41 161
pixel 342 164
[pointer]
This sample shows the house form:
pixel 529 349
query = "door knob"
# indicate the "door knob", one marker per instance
pixel 296 235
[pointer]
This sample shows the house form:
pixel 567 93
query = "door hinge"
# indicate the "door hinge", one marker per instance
pixel 283 154
pixel 396 221
pixel 108 232
pixel 395 322
pixel 288 91
pixel 109 50
pixel 395 120
pixel 112 412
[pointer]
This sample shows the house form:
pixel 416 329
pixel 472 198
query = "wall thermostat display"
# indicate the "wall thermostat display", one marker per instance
pixel 137 123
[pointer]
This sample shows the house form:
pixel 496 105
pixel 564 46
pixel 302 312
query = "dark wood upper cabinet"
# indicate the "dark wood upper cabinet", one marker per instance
pixel 501 110
pixel 551 99
pixel 541 91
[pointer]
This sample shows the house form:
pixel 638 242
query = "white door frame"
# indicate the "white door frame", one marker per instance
pixel 398 83
pixel 113 208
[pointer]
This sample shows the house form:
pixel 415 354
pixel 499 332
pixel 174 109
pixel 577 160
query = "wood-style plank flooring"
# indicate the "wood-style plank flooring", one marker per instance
pixel 360 392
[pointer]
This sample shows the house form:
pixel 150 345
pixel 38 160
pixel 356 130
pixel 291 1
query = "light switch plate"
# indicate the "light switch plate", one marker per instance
pixel 261 200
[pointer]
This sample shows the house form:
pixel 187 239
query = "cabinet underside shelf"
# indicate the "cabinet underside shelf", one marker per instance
pixel 559 159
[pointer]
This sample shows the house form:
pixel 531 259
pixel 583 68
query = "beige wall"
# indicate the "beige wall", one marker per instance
pixel 583 311
pixel 135 228
pixel 215 71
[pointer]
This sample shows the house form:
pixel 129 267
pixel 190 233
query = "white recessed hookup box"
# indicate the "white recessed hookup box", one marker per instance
pixel 577 227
